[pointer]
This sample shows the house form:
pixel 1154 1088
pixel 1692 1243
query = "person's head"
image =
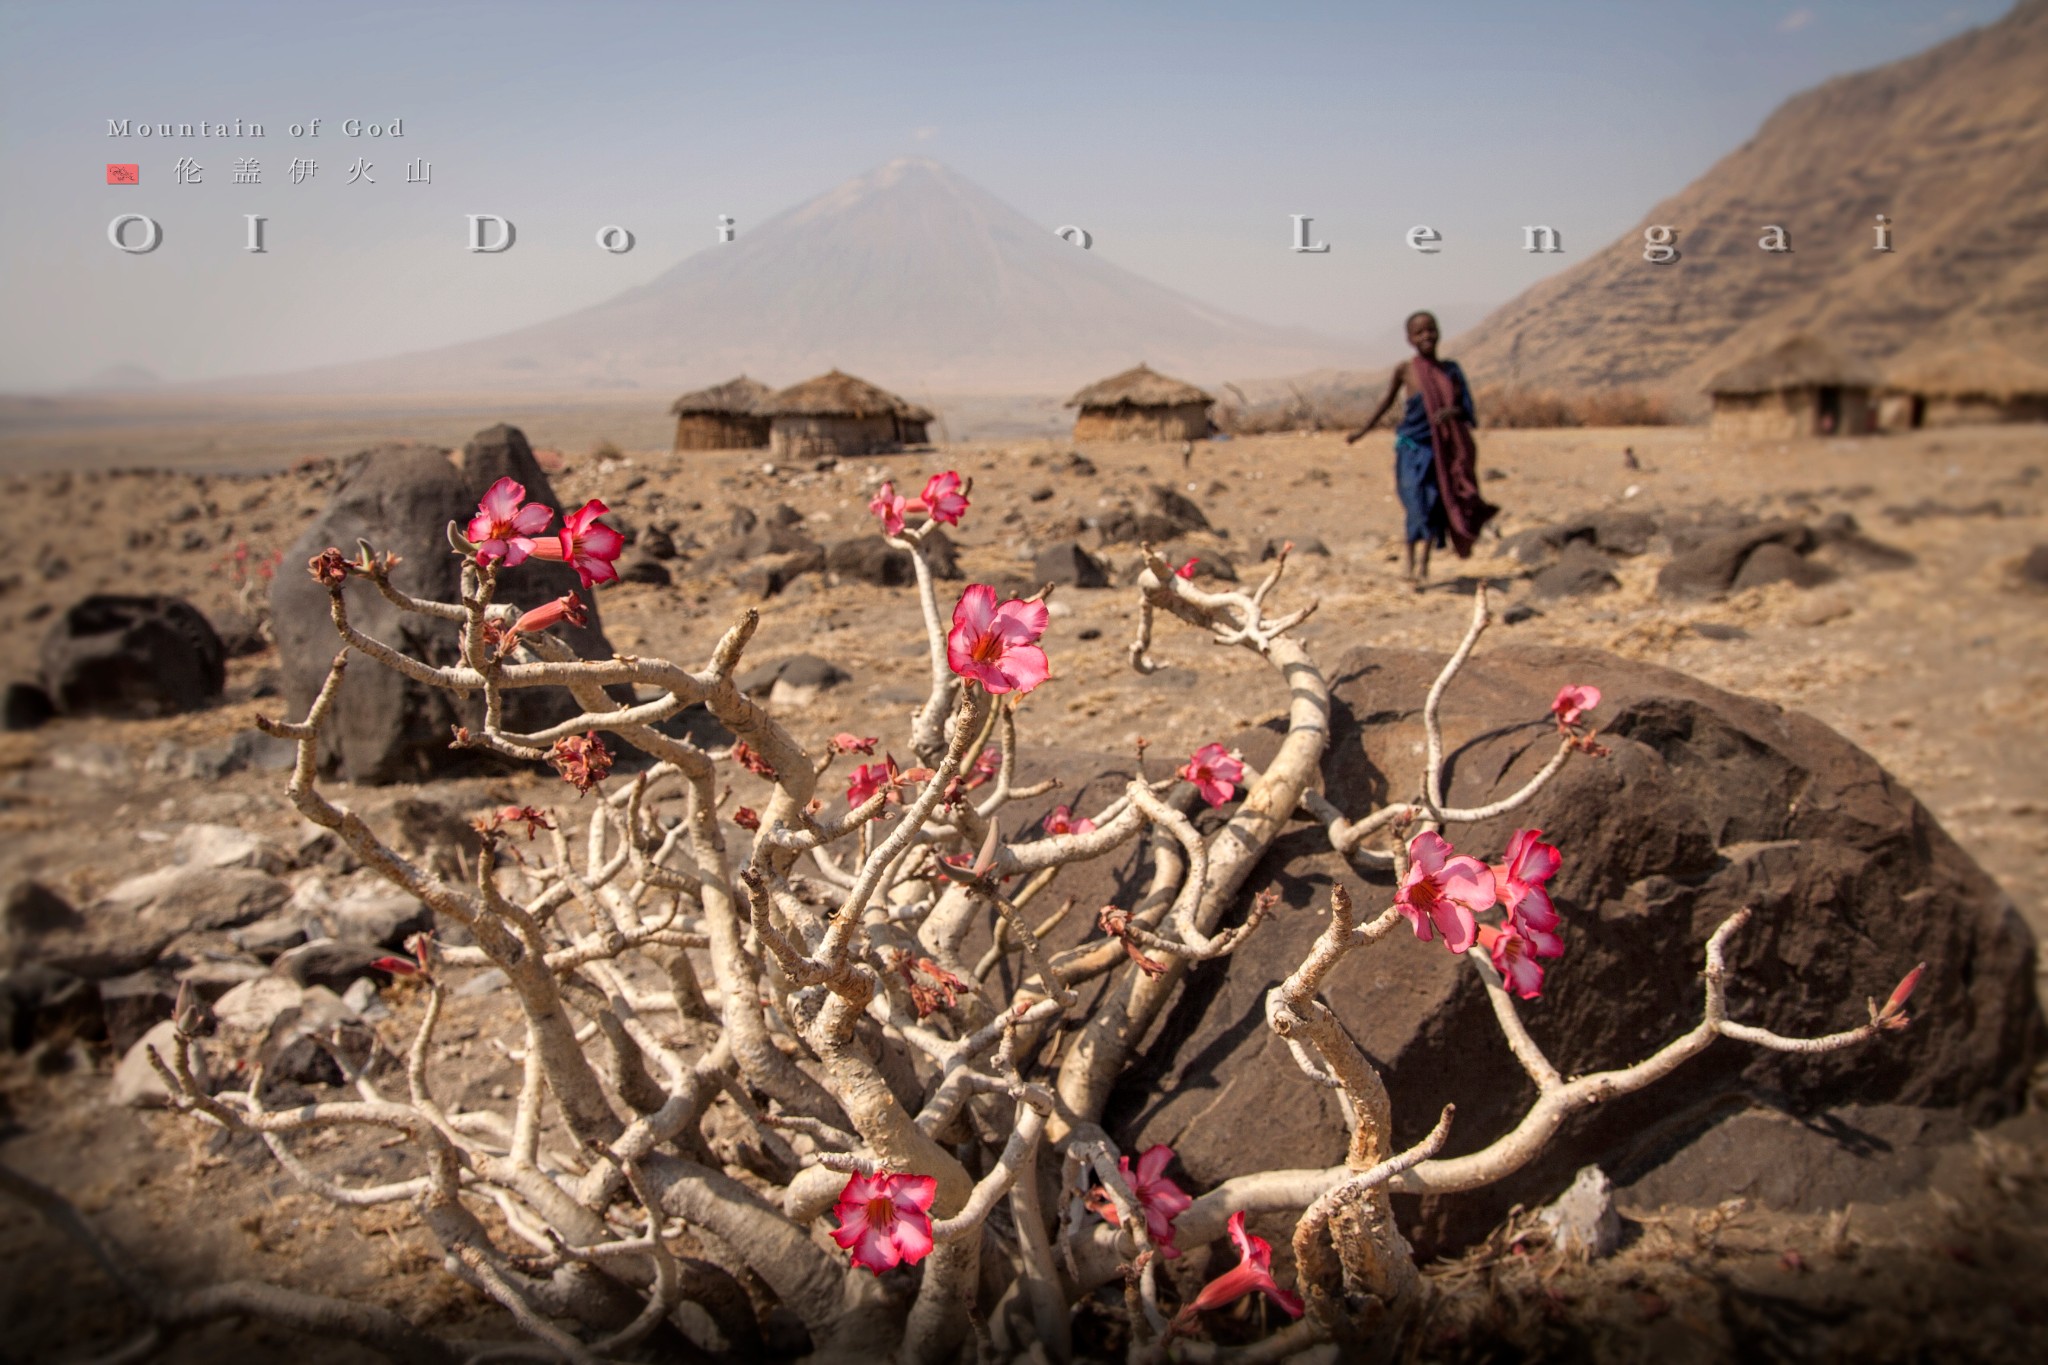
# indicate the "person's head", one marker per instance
pixel 1423 333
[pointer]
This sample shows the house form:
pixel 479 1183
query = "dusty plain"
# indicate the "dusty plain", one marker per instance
pixel 1940 670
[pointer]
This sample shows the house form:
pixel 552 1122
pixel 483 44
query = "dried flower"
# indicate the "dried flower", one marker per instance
pixel 582 760
pixel 997 646
pixel 847 743
pixel 885 1220
pixel 1215 773
pixel 746 817
pixel 505 524
pixel 329 568
pixel 1443 893
pixel 1116 922
pixel 743 754
pixel 939 988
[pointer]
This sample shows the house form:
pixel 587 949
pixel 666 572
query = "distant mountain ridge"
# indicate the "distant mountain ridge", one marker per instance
pixel 1951 144
pixel 910 275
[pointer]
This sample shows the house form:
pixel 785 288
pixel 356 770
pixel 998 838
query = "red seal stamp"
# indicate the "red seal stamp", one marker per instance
pixel 123 175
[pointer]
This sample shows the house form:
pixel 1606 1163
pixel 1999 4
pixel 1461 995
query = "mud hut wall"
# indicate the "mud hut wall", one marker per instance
pixel 720 431
pixel 1979 411
pixel 797 437
pixel 1179 422
pixel 1780 416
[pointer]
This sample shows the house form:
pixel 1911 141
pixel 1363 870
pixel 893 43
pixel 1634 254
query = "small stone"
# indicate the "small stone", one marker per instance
pixel 26 707
pixel 1518 613
pixel 215 977
pixel 1583 1221
pixel 1717 630
pixel 252 1006
pixel 223 846
pixel 483 983
pixel 136 1082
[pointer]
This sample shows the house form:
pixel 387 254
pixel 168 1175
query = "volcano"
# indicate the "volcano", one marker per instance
pixel 910 275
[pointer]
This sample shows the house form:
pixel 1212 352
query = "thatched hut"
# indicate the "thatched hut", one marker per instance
pixel 1141 405
pixel 722 417
pixel 1971 385
pixel 837 414
pixel 1800 387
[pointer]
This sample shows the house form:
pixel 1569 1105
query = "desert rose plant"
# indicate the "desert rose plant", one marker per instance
pixel 912 1177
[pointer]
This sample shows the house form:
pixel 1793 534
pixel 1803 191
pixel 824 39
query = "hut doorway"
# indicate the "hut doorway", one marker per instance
pixel 1830 415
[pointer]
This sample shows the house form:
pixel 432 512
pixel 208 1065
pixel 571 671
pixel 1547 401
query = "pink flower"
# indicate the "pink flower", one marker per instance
pixel 943 499
pixel 1443 893
pixel 1214 772
pixel 1252 1274
pixel 503 528
pixel 1158 1197
pixel 568 607
pixel 885 1220
pixel 1514 956
pixel 1574 701
pixel 1187 570
pixel 889 505
pixel 586 543
pixel 870 778
pixel 1062 821
pixel 846 742
pixel 997 646
pixel 1519 880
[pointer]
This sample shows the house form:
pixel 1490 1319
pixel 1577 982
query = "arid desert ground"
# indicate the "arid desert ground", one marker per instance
pixel 1936 668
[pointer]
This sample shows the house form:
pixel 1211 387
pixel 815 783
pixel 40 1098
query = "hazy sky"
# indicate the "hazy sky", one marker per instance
pixel 1181 136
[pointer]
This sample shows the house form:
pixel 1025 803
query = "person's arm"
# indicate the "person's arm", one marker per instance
pixel 1393 388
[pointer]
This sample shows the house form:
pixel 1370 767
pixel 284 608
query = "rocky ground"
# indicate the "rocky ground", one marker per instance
pixel 1932 665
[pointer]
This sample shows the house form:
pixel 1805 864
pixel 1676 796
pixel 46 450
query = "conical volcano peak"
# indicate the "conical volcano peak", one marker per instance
pixel 910 274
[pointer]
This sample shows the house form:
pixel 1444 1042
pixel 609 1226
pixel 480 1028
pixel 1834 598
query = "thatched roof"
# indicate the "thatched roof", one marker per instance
pixel 735 397
pixel 1139 387
pixel 911 412
pixel 1973 370
pixel 833 395
pixel 1792 364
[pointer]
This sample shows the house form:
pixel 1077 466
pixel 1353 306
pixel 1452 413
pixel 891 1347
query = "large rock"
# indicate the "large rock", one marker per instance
pixel 1709 802
pixel 1710 568
pixel 1580 571
pixel 385 727
pixel 1069 564
pixel 132 657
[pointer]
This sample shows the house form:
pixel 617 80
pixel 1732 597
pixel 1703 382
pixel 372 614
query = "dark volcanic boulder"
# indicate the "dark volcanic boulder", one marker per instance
pixel 1069 564
pixel 132 657
pixel 1710 568
pixel 1580 571
pixel 1709 802
pixel 385 727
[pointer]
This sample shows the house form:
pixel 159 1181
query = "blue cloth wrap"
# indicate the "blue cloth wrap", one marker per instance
pixel 1415 477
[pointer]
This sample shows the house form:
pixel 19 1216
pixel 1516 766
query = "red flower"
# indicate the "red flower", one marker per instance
pixel 943 499
pixel 1519 880
pixel 1893 1015
pixel 1214 772
pixel 505 524
pixel 568 607
pixel 997 646
pixel 1573 701
pixel 1514 953
pixel 870 778
pixel 396 966
pixel 582 760
pixel 889 505
pixel 1187 570
pixel 587 544
pixel 847 743
pixel 746 818
pixel 1252 1274
pixel 744 755
pixel 1158 1197
pixel 1442 893
pixel 885 1220
pixel 1062 821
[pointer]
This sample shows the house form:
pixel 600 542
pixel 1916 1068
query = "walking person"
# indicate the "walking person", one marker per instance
pixel 1436 461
